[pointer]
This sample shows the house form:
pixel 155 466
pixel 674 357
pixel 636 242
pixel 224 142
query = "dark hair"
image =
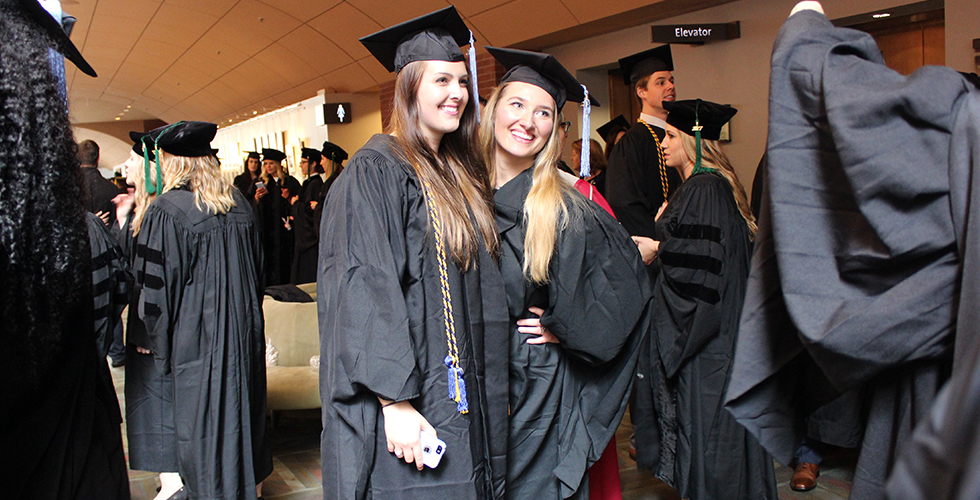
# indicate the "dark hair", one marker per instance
pixel 88 152
pixel 45 262
pixel 459 182
pixel 610 138
pixel 597 160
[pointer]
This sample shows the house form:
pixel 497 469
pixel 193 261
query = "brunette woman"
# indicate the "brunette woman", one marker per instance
pixel 411 304
pixel 577 292
pixel 704 243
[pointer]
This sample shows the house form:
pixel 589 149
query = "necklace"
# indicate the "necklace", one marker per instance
pixel 660 156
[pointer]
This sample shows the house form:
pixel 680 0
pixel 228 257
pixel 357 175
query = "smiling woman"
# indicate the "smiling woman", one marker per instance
pixel 409 293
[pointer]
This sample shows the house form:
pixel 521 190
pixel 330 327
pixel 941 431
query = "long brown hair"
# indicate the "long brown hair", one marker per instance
pixel 457 180
pixel 545 210
pixel 712 156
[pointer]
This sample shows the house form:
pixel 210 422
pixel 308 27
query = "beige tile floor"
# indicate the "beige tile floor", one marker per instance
pixel 296 461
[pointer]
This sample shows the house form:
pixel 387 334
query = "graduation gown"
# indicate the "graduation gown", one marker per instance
pixel 110 281
pixel 246 184
pixel 633 185
pixel 382 333
pixel 306 224
pixel 201 303
pixel 704 250
pixel 567 399
pixel 277 241
pixel 854 273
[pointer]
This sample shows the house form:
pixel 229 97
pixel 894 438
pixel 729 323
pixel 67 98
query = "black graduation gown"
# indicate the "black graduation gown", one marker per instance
pixel 277 241
pixel 110 281
pixel 704 251
pixel 98 192
pixel 382 334
pixel 246 184
pixel 567 399
pixel 854 273
pixel 306 226
pixel 151 439
pixel 201 304
pixel 634 188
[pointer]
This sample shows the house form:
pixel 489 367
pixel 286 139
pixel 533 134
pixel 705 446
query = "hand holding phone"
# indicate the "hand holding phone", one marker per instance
pixel 432 449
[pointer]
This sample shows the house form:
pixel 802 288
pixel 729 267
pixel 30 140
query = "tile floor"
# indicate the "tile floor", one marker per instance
pixel 296 460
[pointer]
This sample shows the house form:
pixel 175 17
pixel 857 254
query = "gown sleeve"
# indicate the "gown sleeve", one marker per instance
pixel 598 287
pixel 364 323
pixel 160 257
pixel 692 279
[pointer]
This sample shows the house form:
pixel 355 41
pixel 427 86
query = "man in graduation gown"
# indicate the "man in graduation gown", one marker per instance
pixel 59 419
pixel 202 306
pixel 855 270
pixel 306 222
pixel 637 180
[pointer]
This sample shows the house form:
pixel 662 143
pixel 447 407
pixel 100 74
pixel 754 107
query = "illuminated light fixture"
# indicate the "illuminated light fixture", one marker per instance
pixel 255 112
pixel 881 16
pixel 118 118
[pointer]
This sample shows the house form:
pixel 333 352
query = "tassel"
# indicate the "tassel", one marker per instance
pixel 585 170
pixel 457 386
pixel 473 77
pixel 697 137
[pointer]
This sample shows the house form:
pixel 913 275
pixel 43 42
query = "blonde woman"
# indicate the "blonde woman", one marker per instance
pixel 196 245
pixel 704 241
pixel 577 292
pixel 410 299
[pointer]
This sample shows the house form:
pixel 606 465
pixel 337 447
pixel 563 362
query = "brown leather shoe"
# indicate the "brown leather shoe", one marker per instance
pixel 805 477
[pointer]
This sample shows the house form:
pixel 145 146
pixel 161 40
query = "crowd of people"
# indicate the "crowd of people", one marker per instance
pixel 485 316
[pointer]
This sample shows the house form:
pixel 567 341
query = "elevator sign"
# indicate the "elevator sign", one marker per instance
pixel 695 33
pixel 338 112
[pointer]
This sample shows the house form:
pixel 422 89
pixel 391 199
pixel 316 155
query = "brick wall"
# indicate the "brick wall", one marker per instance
pixel 489 70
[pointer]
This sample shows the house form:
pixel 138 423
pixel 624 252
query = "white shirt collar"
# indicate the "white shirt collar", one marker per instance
pixel 653 120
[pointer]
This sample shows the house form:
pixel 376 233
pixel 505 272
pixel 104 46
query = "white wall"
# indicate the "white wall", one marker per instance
pixel 734 72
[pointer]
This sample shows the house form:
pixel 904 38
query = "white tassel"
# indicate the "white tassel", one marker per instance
pixel 585 170
pixel 474 77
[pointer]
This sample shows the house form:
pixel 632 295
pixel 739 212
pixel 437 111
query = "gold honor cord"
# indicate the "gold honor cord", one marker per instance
pixel 660 156
pixel 457 386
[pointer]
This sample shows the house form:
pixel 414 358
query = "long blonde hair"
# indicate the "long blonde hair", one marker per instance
pixel 456 180
pixel 142 197
pixel 265 175
pixel 712 156
pixel 545 210
pixel 212 192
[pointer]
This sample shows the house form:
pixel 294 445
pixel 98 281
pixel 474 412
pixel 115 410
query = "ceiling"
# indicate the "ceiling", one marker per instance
pixel 226 60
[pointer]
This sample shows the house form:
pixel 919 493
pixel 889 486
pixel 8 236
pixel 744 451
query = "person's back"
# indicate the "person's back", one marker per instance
pixel 97 191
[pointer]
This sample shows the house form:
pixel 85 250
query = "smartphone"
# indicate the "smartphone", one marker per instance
pixel 260 185
pixel 432 449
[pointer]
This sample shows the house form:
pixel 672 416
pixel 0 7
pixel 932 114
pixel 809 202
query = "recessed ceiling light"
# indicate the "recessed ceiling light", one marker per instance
pixel 127 107
pixel 229 120
pixel 881 16
pixel 118 118
pixel 255 112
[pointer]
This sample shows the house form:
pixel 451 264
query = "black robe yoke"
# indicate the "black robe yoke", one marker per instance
pixel 704 252
pixel 854 274
pixel 567 399
pixel 634 188
pixel 382 333
pixel 202 307
pixel 306 225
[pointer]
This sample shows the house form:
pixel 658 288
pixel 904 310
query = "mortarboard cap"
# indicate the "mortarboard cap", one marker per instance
pixel 646 63
pixel 436 36
pixel 273 154
pixel 334 152
pixel 541 70
pixel 252 154
pixel 137 138
pixel 310 154
pixel 710 116
pixel 618 122
pixel 190 139
pixel 54 29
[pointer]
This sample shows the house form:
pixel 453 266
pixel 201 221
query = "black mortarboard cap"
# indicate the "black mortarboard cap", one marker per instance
pixel 542 70
pixel 137 138
pixel 646 63
pixel 436 36
pixel 619 121
pixel 310 154
pixel 53 28
pixel 273 154
pixel 710 116
pixel 253 154
pixel 190 139
pixel 333 151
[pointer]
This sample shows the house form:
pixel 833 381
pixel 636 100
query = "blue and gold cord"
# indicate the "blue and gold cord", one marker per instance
pixel 457 386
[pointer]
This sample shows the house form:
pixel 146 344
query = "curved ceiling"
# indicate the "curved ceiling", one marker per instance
pixel 225 60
